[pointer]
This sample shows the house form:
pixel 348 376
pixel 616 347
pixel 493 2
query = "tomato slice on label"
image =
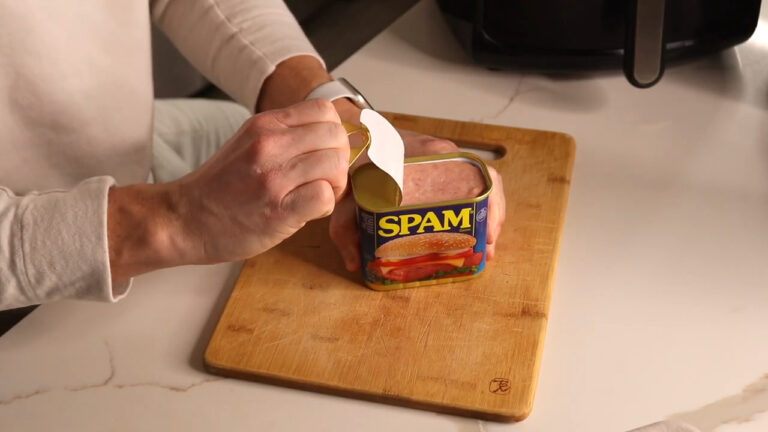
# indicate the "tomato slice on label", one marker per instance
pixel 473 260
pixel 423 258
pixel 414 260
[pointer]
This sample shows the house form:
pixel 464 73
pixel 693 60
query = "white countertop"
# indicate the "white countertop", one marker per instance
pixel 660 307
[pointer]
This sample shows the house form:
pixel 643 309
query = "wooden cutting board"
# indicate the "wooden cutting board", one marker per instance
pixel 297 318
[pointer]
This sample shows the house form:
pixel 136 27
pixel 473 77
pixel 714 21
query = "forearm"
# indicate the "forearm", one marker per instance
pixel 145 230
pixel 291 82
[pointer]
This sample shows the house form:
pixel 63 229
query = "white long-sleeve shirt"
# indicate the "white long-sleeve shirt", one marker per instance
pixel 76 118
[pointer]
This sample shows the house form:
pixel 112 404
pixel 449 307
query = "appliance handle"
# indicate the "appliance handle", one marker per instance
pixel 644 43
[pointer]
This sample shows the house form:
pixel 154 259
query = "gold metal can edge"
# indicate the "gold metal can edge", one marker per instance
pixel 437 158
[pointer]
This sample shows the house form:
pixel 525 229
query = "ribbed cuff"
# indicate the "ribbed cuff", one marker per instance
pixel 63 235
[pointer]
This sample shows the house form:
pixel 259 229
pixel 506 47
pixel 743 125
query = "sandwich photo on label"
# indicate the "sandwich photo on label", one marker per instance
pixel 426 257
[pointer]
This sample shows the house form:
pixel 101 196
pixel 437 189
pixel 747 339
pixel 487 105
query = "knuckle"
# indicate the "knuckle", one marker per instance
pixel 320 202
pixel 325 196
pixel 268 181
pixel 341 161
pixel 282 210
pixel 323 106
pixel 283 116
pixel 258 122
pixel 333 165
pixel 338 134
pixel 258 152
pixel 334 134
pixel 342 180
pixel 340 168
pixel 263 140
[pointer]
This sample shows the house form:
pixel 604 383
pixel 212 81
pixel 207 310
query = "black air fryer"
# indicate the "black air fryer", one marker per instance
pixel 586 34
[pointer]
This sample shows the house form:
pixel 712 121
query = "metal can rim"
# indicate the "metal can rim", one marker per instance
pixel 468 157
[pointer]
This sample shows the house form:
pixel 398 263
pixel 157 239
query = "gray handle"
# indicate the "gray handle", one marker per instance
pixel 644 49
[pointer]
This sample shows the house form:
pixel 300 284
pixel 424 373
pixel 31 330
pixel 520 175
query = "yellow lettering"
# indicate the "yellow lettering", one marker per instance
pixel 407 222
pixel 451 219
pixel 431 220
pixel 389 226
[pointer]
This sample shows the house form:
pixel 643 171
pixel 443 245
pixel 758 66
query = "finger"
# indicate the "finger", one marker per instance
pixel 490 251
pixel 500 197
pixel 493 226
pixel 330 165
pixel 496 207
pixel 306 112
pixel 417 144
pixel 493 219
pixel 439 146
pixel 344 233
pixel 313 137
pixel 307 202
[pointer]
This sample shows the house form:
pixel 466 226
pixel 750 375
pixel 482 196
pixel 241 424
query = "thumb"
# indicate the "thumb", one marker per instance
pixel 343 232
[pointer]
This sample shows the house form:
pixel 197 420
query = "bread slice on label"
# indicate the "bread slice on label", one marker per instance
pixel 423 244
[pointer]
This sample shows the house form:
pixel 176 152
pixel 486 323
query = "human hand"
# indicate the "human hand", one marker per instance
pixel 343 224
pixel 282 169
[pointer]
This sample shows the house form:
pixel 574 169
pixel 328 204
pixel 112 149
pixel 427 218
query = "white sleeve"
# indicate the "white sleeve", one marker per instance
pixel 235 43
pixel 53 245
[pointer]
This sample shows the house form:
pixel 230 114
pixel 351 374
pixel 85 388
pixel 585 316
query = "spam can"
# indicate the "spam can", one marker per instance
pixel 438 233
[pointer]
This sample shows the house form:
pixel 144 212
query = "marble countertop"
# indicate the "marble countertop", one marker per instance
pixel 660 309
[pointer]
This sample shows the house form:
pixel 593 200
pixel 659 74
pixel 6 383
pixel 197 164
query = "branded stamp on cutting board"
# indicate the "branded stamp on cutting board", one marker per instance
pixel 297 318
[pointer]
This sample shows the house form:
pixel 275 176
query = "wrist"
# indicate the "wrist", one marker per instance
pixel 145 230
pixel 291 81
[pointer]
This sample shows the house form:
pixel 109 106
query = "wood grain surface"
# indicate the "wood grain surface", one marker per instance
pixel 297 318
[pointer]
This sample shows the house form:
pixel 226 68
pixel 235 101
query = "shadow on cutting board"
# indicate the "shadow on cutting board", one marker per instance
pixel 313 245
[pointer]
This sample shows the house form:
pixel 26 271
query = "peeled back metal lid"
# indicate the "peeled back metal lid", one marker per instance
pixel 385 150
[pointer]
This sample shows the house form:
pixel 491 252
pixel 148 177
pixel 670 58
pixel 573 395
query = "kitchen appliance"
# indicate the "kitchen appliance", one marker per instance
pixel 641 35
pixel 297 318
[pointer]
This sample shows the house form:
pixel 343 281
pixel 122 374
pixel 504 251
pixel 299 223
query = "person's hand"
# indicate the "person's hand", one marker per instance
pixel 343 225
pixel 282 169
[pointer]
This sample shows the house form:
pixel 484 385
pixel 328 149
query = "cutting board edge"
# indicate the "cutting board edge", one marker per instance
pixel 502 416
pixel 553 271
pixel 399 117
pixel 212 340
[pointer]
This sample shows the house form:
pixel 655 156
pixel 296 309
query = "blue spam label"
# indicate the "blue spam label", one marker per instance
pixel 423 246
